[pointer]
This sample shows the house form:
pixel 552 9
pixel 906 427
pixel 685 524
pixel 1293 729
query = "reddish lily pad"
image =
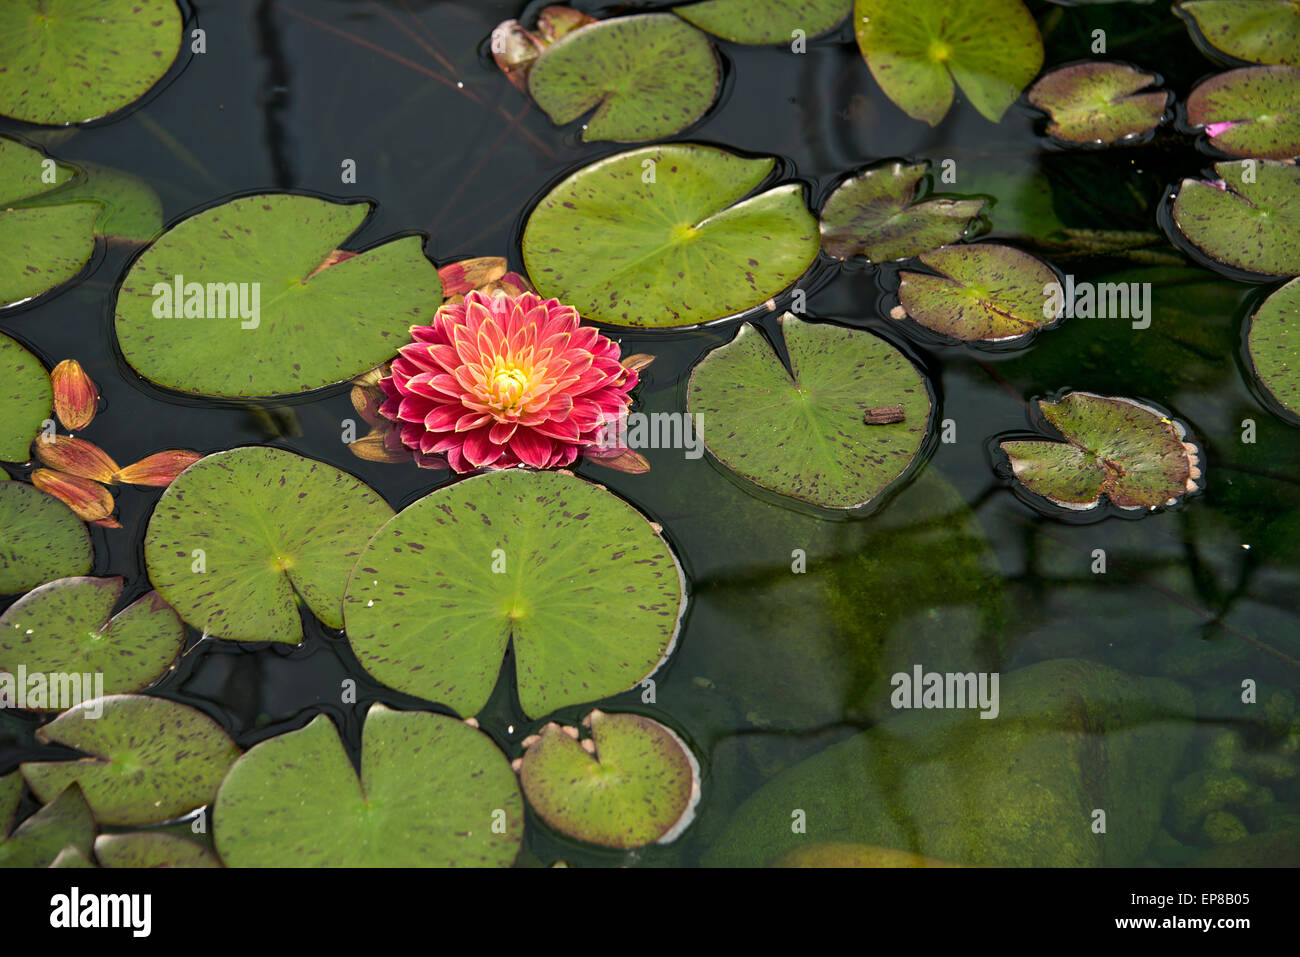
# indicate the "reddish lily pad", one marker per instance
pixel 759 22
pixel 1274 345
pixel 1249 219
pixel 42 539
pixel 37 842
pixel 152 849
pixel 1099 102
pixel 1254 111
pixel 1256 31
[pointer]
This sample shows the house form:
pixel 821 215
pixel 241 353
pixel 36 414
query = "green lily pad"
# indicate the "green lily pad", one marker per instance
pixel 1099 102
pixel 43 539
pixel 1274 345
pixel 759 22
pixel 1131 453
pixel 1254 111
pixel 72 856
pixel 638 784
pixel 916 50
pixel 152 849
pixel 149 759
pixel 984 292
pixel 128 206
pixel 801 433
pixel 241 537
pixel 1256 31
pixel 310 329
pixel 43 248
pixel 26 399
pixel 68 627
pixel 11 790
pixel 69 61
pixel 874 214
pixel 651 76
pixel 65 821
pixel 1252 225
pixel 433 792
pixel 680 249
pixel 24 173
pixel 589 593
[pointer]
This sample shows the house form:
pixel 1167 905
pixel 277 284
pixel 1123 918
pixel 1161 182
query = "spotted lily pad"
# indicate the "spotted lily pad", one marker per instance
pixel 1133 454
pixel 1274 345
pixel 128 206
pixel 11 791
pixel 241 537
pixel 802 433
pixel 1250 219
pixel 765 21
pixel 877 214
pixel 916 50
pixel 232 302
pixel 152 849
pixel 43 248
pixel 631 783
pixel 651 76
pixel 1099 102
pixel 26 399
pixel 69 61
pixel 660 236
pixel 42 539
pixel 148 759
pixel 65 821
pixel 585 588
pixel 68 627
pixel 1256 31
pixel 1254 111
pixel 984 292
pixel 433 792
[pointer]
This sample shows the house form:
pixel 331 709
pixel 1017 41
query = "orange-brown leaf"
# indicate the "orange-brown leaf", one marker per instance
pixel 637 361
pixel 158 470
pixel 76 399
pixel 76 457
pixel 460 277
pixel 373 449
pixel 90 501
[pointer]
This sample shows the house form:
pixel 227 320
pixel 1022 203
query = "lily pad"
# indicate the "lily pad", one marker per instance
pixel 26 399
pixel 1129 452
pixel 833 854
pixel 1274 346
pixel 43 540
pixel 241 537
pixel 69 61
pixel 72 856
pixel 152 849
pixel 1254 111
pixel 1249 220
pixel 24 173
pixel 11 791
pixel 634 783
pixel 254 316
pixel 660 236
pixel 1099 102
pixel 765 21
pixel 65 821
pixel 43 248
pixel 1256 31
pixel 875 214
pixel 149 759
pixel 589 593
pixel 433 792
pixel 128 206
pixel 651 76
pixel 68 627
pixel 984 292
pixel 916 50
pixel 801 433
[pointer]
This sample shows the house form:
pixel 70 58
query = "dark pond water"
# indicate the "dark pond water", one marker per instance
pixel 772 666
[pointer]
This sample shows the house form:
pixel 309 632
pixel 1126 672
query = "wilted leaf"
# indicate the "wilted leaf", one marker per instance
pixel 1099 102
pixel 76 457
pixel 89 500
pixel 158 470
pixel 76 398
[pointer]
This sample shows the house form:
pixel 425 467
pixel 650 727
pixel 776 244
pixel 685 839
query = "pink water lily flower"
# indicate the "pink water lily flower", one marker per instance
pixel 500 381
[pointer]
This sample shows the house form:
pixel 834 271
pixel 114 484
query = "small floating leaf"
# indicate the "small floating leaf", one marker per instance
pixel 152 849
pixel 229 302
pixel 89 500
pixel 68 627
pixel 433 792
pixel 65 821
pixel 1254 111
pixel 242 536
pixel 1132 454
pixel 26 399
pixel 874 214
pixel 915 50
pixel 1274 345
pixel 632 783
pixel 765 21
pixel 651 75
pixel 11 792
pixel 589 593
pixel 76 398
pixel 1257 31
pixel 1251 220
pixel 42 540
pixel 801 433
pixel 128 206
pixel 1099 102
pixel 984 292
pixel 672 248
pixel 149 759
pixel 158 470
pixel 76 457
pixel 71 856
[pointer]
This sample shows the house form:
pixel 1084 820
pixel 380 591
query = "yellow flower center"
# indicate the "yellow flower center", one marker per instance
pixel 508 383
